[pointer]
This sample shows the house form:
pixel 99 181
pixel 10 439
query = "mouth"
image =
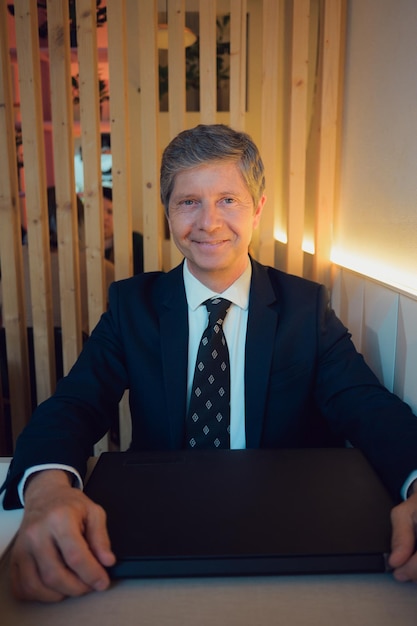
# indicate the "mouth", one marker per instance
pixel 210 244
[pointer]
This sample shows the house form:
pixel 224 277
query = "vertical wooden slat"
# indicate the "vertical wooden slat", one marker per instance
pixel 176 66
pixel 28 54
pixel 121 173
pixel 269 109
pixel 330 105
pixel 208 91
pixel 176 83
pixel 119 124
pixel 13 305
pixel 238 9
pixel 91 149
pixel 63 148
pixel 298 136
pixel 148 68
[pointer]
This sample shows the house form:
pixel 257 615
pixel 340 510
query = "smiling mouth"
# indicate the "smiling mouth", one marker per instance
pixel 210 243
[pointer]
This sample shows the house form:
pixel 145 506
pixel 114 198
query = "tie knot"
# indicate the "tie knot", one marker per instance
pixel 217 309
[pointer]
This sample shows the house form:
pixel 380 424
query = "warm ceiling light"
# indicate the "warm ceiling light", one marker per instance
pixel 162 37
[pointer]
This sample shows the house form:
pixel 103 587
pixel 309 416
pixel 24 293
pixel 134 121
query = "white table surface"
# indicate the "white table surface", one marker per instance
pixel 338 600
pixel 9 520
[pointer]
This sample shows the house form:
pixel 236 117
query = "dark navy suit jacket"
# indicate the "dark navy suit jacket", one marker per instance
pixel 305 384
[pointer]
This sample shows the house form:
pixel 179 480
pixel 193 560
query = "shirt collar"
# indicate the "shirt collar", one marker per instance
pixel 237 293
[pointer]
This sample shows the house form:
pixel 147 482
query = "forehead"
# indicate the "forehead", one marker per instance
pixel 223 176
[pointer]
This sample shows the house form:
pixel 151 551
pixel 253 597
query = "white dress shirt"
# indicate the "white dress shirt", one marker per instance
pixel 234 328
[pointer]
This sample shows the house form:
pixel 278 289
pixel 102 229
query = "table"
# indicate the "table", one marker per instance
pixel 9 520
pixel 342 600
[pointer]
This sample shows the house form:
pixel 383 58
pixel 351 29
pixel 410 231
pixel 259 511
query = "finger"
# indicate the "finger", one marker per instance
pixel 56 573
pixel 40 572
pixel 56 553
pixel 26 583
pixel 98 538
pixel 407 572
pixel 403 536
pixel 83 559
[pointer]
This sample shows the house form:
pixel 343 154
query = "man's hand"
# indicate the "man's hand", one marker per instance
pixel 403 558
pixel 62 546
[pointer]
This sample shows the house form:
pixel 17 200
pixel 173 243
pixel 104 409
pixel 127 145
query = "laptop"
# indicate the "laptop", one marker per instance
pixel 243 512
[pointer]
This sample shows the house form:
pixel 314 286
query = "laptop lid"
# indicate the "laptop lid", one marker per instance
pixel 243 512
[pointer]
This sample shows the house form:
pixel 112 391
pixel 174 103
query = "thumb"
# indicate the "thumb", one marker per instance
pixel 403 535
pixel 98 537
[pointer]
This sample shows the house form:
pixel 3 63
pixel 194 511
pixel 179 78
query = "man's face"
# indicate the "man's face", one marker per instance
pixel 211 219
pixel 108 218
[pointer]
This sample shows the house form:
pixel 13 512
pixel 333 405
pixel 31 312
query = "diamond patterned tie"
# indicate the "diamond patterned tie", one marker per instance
pixel 208 421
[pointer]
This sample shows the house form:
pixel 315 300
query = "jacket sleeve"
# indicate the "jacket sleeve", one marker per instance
pixel 359 407
pixel 64 428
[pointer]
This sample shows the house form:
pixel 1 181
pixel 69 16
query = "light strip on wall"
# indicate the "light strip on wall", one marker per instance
pixel 280 236
pixel 308 245
pixel 371 268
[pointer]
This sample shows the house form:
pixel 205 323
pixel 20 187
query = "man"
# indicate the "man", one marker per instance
pixel 296 379
pixel 137 238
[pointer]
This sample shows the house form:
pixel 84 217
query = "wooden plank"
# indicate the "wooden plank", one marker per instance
pixel 238 37
pixel 330 120
pixel 176 84
pixel 298 136
pixel 148 69
pixel 91 149
pixel 176 66
pixel 269 107
pixel 119 124
pixel 13 306
pixel 121 166
pixel 63 149
pixel 26 20
pixel 208 79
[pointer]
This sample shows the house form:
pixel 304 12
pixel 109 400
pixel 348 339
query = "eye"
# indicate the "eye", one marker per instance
pixel 228 200
pixel 187 202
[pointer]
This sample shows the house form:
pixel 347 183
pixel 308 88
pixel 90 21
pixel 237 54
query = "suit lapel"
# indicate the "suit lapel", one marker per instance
pixel 262 323
pixel 173 317
pixel 260 339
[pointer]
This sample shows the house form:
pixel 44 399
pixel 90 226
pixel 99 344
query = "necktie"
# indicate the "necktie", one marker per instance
pixel 208 420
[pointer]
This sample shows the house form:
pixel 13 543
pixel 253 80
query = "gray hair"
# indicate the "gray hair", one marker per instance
pixel 211 143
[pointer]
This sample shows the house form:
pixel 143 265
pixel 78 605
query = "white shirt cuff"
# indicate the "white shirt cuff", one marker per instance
pixel 406 486
pixel 77 482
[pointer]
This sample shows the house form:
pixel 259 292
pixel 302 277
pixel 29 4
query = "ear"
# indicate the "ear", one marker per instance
pixel 258 211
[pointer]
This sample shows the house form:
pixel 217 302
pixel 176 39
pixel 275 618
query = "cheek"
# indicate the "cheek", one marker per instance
pixel 180 224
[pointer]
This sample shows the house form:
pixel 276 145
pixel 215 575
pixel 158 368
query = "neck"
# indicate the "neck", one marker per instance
pixel 220 280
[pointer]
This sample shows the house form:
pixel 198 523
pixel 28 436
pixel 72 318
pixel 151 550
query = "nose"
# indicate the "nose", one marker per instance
pixel 209 216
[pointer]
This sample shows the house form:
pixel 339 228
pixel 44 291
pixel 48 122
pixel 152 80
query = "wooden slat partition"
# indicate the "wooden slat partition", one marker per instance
pixel 208 89
pixel 238 34
pixel 276 113
pixel 176 83
pixel 13 307
pixel 298 136
pixel 148 70
pixel 36 203
pixel 66 210
pixel 330 112
pixel 119 125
